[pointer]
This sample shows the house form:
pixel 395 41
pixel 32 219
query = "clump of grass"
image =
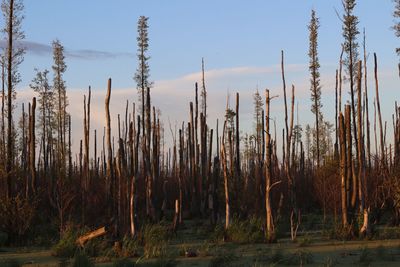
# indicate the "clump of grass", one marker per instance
pixel 389 233
pixel 246 231
pixel 217 234
pixel 10 263
pixel 82 260
pixel 304 241
pixel 160 262
pixel 66 246
pixel 206 249
pixel 155 239
pixel 130 246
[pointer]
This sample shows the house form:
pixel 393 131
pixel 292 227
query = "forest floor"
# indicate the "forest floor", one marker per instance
pixel 310 250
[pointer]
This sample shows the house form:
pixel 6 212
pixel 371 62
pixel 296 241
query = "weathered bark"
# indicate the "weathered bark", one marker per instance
pixel 238 171
pixel 368 156
pixel 110 172
pixel 32 145
pixel 10 137
pixel 343 170
pixel 225 172
pixel 270 229
pixel 382 146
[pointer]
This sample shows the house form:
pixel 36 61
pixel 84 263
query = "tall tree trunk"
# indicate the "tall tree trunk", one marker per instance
pixel 343 170
pixel 383 156
pixel 10 137
pixel 110 172
pixel 32 145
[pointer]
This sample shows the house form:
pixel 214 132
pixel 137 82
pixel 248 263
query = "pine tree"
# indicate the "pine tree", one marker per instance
pixel 315 78
pixel 396 26
pixel 350 32
pixel 61 102
pixel 40 84
pixel 143 71
pixel 14 55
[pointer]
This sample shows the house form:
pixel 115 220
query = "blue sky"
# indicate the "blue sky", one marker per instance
pixel 240 41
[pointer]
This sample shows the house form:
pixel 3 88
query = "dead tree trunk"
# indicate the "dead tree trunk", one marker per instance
pixel 225 171
pixel 343 170
pixel 382 158
pixel 269 229
pixel 110 172
pixel 32 145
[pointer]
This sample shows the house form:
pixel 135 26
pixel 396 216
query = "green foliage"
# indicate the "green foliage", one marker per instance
pixel 96 247
pixel 10 263
pixel 130 246
pixel 304 241
pixel 217 234
pixel 124 262
pixel 338 232
pixel 246 231
pixel 82 260
pixel 66 246
pixel 16 215
pixel 389 233
pixel 155 239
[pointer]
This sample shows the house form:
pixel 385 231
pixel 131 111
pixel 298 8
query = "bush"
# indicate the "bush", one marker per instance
pixel 155 239
pixel 66 246
pixel 247 231
pixel 82 260
pixel 16 215
pixel 130 246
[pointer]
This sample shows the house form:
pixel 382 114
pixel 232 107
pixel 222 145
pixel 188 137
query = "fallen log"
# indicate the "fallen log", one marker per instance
pixel 85 238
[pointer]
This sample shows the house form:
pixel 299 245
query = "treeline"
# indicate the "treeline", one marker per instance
pixel 213 172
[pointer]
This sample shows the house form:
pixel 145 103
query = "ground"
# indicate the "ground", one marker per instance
pixel 310 250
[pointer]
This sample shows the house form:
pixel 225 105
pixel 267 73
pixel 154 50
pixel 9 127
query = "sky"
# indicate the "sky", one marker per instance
pixel 240 41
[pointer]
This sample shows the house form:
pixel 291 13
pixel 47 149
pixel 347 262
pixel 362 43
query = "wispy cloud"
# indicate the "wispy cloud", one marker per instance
pixel 40 49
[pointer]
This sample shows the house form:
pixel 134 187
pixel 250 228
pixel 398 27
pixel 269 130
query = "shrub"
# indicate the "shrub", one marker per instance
pixel 96 247
pixel 16 215
pixel 82 260
pixel 155 239
pixel 247 231
pixel 130 246
pixel 66 246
